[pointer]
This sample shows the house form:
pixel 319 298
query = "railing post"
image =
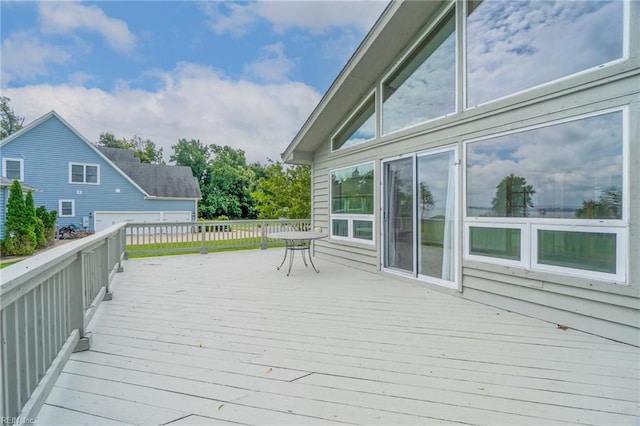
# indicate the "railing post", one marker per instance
pixel 203 229
pixel 105 269
pixel 122 245
pixel 263 240
pixel 76 302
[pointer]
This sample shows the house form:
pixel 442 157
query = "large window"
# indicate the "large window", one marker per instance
pixel 84 173
pixel 352 203
pixel 13 168
pixel 359 128
pixel 515 45
pixel 551 197
pixel 424 85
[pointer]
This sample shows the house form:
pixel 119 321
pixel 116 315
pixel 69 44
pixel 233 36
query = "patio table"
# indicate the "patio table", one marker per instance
pixel 297 241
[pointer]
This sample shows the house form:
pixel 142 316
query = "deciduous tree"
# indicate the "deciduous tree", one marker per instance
pixel 10 122
pixel 283 192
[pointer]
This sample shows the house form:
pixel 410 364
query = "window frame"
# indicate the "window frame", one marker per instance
pixel 361 107
pixel 73 208
pixel 621 245
pixel 351 217
pixel 84 173
pixel 406 55
pixel 626 52
pixel 4 167
pixel 529 248
pixel 524 243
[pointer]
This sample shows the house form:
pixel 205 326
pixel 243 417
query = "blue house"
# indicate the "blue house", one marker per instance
pixel 90 187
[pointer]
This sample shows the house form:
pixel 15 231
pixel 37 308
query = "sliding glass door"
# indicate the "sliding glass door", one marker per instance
pixel 420 216
pixel 399 211
pixel 437 215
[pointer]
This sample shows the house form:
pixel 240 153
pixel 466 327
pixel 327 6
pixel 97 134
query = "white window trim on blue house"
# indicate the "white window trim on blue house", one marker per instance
pixel 73 208
pixel 84 174
pixel 4 167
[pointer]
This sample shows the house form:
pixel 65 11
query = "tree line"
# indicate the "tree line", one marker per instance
pixel 230 186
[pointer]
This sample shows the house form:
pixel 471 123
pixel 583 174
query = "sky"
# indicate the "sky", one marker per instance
pixel 243 74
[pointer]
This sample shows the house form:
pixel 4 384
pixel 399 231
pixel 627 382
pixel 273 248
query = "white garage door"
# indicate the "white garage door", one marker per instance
pixel 103 220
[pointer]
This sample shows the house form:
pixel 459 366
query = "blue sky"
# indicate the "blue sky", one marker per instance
pixel 244 74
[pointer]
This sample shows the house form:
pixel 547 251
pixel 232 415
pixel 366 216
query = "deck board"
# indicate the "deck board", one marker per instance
pixel 226 338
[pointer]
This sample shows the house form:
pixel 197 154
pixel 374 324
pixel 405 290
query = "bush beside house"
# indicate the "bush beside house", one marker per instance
pixel 26 229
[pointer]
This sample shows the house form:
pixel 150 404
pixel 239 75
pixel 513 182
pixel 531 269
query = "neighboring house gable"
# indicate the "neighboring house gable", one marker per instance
pixel 74 178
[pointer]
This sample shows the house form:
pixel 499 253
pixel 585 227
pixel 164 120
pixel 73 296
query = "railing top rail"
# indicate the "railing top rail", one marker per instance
pixel 13 276
pixel 205 222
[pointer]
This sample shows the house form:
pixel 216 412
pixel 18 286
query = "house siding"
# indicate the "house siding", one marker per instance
pixel 597 306
pixel 47 150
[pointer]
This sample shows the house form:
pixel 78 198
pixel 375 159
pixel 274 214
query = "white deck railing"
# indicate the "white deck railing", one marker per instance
pixel 46 303
pixel 202 237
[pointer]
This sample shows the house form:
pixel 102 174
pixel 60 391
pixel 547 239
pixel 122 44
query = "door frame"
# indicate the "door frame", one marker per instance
pixel 455 284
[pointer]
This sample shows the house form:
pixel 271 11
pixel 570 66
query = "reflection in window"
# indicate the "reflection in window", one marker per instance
pixel 424 86
pixel 591 251
pixel 568 170
pixel 340 228
pixel 503 243
pixel 361 128
pixel 352 190
pixel 363 229
pixel 352 203
pixel 514 45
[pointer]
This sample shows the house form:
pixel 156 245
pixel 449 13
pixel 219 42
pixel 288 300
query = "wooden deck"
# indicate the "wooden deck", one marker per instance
pixel 226 338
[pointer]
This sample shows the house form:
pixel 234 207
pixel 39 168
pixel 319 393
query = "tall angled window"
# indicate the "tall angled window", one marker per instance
pixel 361 127
pixel 515 45
pixel 423 87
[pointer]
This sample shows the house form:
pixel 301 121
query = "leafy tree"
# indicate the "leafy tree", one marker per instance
pixel 283 192
pixel 607 207
pixel 20 239
pixel 9 121
pixel 513 197
pixel 108 140
pixel 144 149
pixel 147 151
pixel 192 154
pixel 228 190
pixel 427 201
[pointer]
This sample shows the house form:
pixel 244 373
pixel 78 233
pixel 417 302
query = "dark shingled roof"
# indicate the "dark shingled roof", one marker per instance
pixel 158 180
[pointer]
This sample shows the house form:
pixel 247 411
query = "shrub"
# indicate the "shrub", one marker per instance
pixel 20 238
pixel 49 222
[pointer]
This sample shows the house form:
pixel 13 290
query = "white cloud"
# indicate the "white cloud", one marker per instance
pixel 195 102
pixel 68 17
pixel 319 16
pixel 236 21
pixel 311 15
pixel 25 56
pixel 272 65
